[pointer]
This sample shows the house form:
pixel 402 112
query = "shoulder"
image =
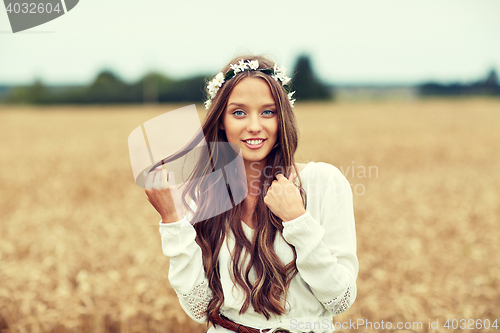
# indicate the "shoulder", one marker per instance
pixel 321 177
pixel 321 170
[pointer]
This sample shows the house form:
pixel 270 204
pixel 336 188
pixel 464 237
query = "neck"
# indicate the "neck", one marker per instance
pixel 254 171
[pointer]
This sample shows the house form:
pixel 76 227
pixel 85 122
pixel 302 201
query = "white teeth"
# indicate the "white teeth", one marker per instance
pixel 254 142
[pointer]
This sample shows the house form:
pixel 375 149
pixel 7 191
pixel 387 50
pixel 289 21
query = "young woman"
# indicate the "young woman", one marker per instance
pixel 283 259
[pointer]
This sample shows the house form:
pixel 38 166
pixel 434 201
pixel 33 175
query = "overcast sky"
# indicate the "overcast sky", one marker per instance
pixel 387 41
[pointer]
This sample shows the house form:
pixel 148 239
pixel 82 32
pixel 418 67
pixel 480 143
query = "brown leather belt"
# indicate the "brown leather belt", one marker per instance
pixel 238 328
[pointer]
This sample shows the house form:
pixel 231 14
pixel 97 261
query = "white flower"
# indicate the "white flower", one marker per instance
pixel 212 89
pixel 219 79
pixel 239 67
pixel 283 78
pixel 279 70
pixel 242 65
pixel 292 101
pixel 254 64
pixel 235 68
pixel 208 103
pixel 215 84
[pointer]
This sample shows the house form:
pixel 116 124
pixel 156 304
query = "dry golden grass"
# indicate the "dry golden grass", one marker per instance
pixel 80 249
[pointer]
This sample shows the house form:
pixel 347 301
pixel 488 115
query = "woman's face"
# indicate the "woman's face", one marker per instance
pixel 250 119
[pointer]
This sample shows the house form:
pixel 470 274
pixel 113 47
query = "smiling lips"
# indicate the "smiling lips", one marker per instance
pixel 254 143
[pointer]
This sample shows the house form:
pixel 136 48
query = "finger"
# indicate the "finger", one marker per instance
pixel 175 194
pixel 164 178
pixel 171 178
pixel 148 183
pixel 165 175
pixel 292 176
pixel 279 176
pixel 266 200
pixel 159 181
pixel 267 197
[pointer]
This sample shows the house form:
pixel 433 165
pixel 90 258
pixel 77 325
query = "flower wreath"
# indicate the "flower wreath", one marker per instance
pixel 277 73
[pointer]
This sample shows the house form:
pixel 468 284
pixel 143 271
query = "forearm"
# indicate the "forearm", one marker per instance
pixel 186 273
pixel 329 279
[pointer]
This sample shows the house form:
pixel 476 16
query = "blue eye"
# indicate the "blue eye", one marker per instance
pixel 268 113
pixel 239 113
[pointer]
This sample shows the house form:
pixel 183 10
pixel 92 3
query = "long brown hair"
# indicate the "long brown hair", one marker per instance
pixel 267 294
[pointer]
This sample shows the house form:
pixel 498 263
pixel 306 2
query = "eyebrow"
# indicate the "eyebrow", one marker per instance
pixel 242 104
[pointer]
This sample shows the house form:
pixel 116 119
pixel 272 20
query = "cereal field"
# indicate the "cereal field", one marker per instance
pixel 79 243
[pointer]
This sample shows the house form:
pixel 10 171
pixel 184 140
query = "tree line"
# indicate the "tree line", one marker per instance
pixel 108 88
pixel 487 87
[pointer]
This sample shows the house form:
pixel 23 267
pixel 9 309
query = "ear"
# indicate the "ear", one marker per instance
pixel 221 126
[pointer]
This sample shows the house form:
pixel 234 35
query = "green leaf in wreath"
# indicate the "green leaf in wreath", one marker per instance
pixel 267 71
pixel 229 75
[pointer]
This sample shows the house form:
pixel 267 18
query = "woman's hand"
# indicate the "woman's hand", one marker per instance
pixel 283 198
pixel 164 198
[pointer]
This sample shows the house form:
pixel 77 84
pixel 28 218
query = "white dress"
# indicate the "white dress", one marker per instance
pixel 324 239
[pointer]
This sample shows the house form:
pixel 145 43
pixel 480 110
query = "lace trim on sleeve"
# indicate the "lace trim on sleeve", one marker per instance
pixel 342 303
pixel 195 302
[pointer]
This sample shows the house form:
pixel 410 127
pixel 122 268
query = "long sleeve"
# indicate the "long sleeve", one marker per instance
pixel 326 242
pixel 186 273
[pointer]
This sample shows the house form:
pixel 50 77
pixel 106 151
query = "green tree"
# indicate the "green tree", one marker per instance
pixel 491 86
pixel 108 88
pixel 186 90
pixel 36 93
pixel 152 85
pixel 305 83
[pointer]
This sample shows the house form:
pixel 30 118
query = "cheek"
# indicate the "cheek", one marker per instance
pixel 222 122
pixel 225 125
pixel 274 129
pixel 230 128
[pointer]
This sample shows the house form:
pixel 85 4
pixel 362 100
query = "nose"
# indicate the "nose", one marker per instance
pixel 254 125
